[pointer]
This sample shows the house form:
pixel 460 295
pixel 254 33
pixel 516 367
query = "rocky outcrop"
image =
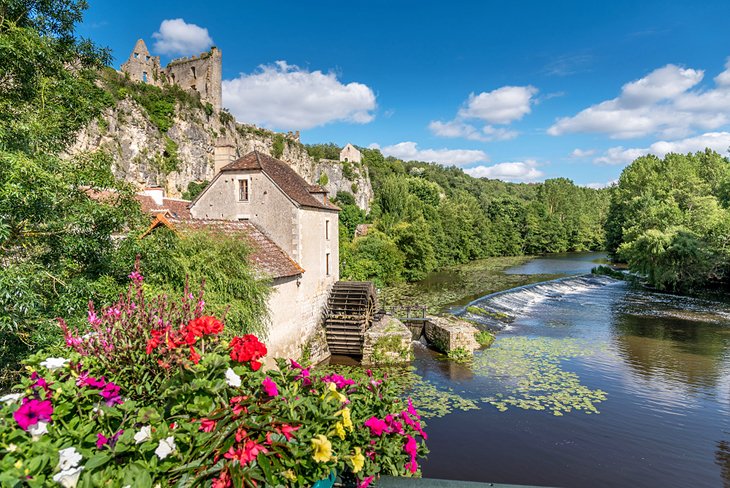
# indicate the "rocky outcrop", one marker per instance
pixel 144 155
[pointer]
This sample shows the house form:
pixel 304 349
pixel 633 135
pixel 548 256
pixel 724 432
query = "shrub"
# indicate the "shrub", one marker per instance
pixel 277 145
pixel 217 417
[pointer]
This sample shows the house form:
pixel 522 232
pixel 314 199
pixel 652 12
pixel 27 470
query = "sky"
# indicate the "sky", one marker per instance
pixel 519 91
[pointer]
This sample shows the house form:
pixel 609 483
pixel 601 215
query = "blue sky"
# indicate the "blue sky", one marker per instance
pixel 520 91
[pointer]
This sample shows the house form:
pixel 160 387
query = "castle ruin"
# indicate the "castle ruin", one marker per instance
pixel 201 74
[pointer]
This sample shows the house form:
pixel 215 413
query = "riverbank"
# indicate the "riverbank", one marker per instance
pixel 460 284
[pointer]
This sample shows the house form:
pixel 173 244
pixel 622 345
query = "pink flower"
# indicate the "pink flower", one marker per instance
pixel 93 318
pixel 412 466
pixel 295 365
pixel 33 411
pixel 411 446
pixel 270 387
pixel 207 425
pixel 377 426
pixel 365 482
pixel 339 380
pixel 136 276
pixel 102 440
pixel 411 410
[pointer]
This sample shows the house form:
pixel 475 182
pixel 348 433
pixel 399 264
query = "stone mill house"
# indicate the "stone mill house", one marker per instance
pixel 293 229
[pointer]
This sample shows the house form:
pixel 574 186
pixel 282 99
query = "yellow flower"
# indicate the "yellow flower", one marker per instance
pixel 346 419
pixel 333 393
pixel 340 430
pixel 289 474
pixel 357 460
pixel 322 449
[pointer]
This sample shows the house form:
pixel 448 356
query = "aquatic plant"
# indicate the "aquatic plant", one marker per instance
pixel 533 376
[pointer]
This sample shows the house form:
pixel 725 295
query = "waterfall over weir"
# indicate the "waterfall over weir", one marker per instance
pixel 497 310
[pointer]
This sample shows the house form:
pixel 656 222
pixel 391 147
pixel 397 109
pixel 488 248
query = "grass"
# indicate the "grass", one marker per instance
pixel 459 285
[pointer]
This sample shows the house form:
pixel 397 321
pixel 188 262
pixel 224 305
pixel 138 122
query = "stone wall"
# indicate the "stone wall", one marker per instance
pixel 388 341
pixel 448 334
pixel 201 74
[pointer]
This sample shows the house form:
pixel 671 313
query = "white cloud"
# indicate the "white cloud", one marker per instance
pixel 598 186
pixel 284 96
pixel 582 153
pixel 456 128
pixel 666 103
pixel 500 106
pixel 409 151
pixel 517 171
pixel 717 141
pixel 177 37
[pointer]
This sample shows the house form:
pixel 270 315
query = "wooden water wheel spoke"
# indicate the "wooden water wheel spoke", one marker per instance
pixel 350 310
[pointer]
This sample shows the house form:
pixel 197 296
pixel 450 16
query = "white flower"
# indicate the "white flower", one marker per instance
pixel 11 397
pixel 68 458
pixel 54 363
pixel 12 448
pixel 144 434
pixel 68 478
pixel 38 429
pixel 167 446
pixel 232 378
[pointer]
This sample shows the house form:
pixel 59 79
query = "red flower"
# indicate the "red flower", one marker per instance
pixel 248 349
pixel 194 356
pixel 206 325
pixel 207 425
pixel 222 481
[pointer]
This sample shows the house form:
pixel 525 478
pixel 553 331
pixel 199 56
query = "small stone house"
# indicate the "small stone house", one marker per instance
pixel 260 191
pixel 350 154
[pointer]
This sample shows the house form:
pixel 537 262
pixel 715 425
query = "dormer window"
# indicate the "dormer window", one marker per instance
pixel 243 190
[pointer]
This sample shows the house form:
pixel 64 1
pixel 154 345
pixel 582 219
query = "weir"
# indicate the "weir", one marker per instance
pixel 497 310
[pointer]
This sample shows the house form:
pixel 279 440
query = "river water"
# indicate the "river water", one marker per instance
pixel 590 383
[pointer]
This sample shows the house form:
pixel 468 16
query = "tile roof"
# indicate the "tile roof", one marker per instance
pixel 172 207
pixel 266 257
pixel 293 185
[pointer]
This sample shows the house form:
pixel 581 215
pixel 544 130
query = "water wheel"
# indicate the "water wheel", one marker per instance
pixel 350 310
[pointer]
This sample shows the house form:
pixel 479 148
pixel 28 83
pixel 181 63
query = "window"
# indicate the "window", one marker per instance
pixel 193 70
pixel 327 230
pixel 327 262
pixel 144 76
pixel 136 55
pixel 242 190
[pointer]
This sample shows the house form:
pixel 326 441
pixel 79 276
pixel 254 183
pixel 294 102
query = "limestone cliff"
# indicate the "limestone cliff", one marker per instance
pixel 145 155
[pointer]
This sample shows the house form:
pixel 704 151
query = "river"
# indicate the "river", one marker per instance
pixel 590 383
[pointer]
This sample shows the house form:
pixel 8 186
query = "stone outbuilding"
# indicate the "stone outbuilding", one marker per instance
pixel 350 154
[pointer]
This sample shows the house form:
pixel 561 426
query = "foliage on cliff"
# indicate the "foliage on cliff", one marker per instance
pixel 428 216
pixel 670 219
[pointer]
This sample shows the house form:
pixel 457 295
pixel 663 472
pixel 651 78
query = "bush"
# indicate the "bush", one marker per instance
pixel 154 395
pixel 277 145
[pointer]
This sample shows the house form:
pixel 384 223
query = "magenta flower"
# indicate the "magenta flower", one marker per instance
pixel 136 276
pixel 411 410
pixel 33 411
pixel 377 426
pixel 339 380
pixel 102 440
pixel 111 396
pixel 366 482
pixel 270 387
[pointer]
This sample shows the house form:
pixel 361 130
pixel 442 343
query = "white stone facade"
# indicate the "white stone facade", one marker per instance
pixel 307 232
pixel 350 154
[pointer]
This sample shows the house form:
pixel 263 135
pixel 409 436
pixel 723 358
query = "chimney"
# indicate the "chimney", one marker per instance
pixel 157 193
pixel 224 153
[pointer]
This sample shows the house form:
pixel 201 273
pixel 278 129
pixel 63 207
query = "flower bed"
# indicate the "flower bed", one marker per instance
pixel 154 394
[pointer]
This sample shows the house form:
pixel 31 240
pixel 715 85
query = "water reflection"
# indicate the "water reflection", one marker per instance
pixel 669 348
pixel 722 458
